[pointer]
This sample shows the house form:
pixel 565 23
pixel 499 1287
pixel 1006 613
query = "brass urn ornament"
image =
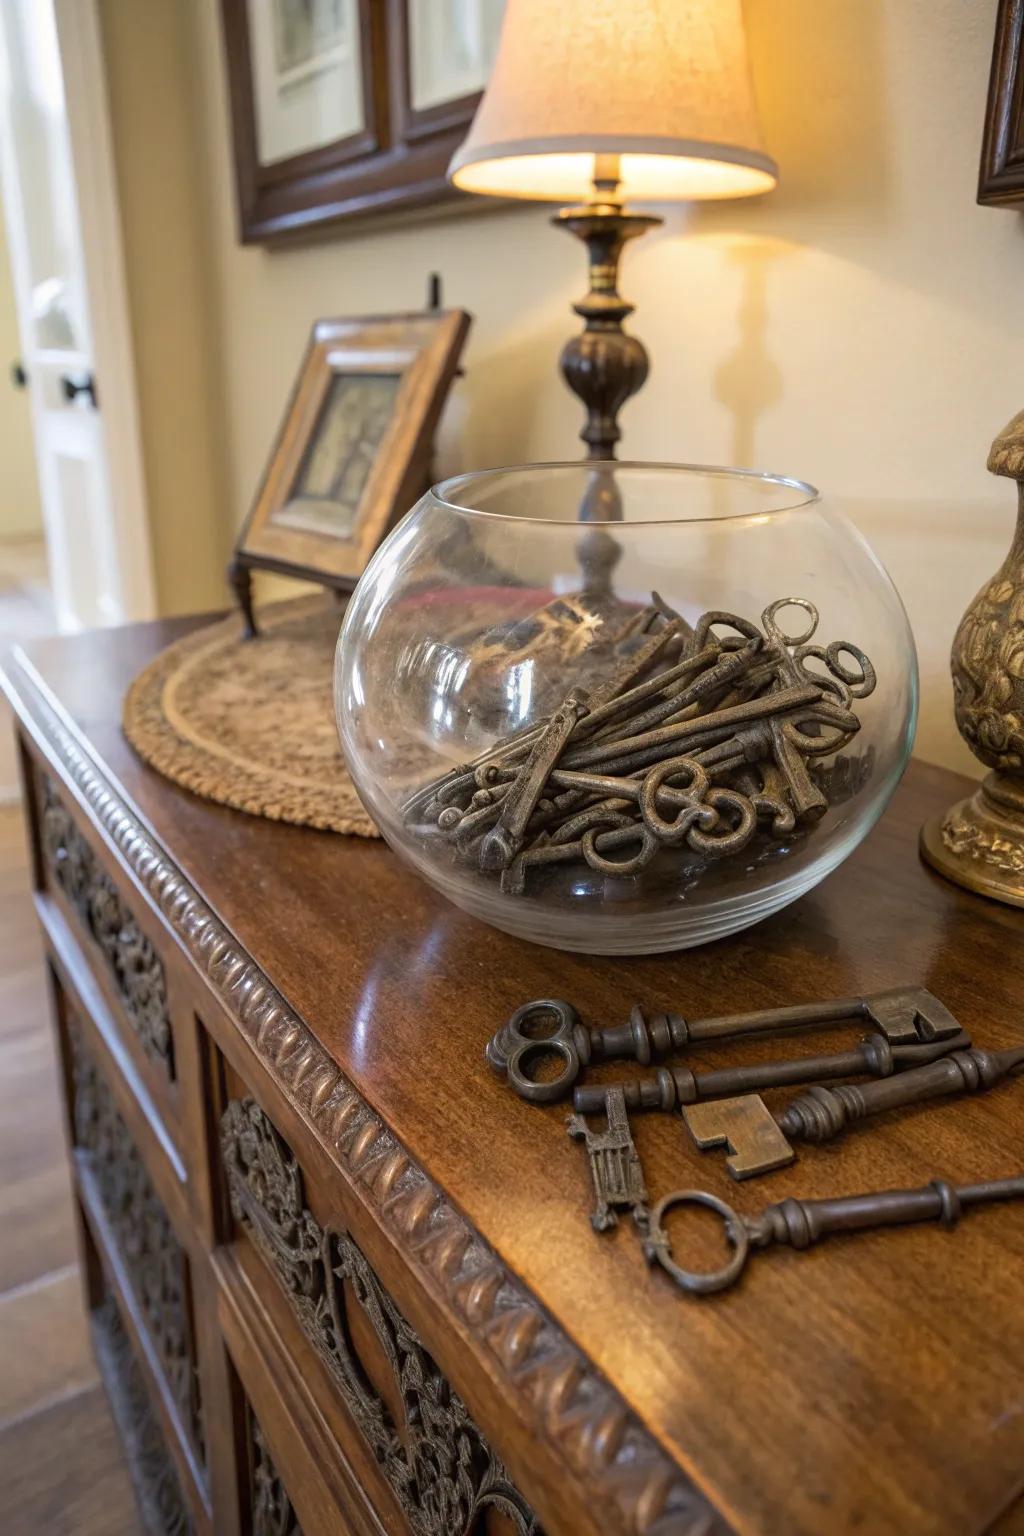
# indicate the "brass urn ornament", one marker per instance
pixel 979 842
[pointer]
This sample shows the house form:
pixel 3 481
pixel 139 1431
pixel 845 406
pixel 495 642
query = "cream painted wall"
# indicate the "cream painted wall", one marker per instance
pixel 150 64
pixel 861 328
pixel 21 514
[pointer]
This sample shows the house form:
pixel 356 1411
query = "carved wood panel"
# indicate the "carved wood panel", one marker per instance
pixel 550 1385
pixel 438 1463
pixel 133 964
pixel 153 1257
pixel 272 1512
pixel 156 1484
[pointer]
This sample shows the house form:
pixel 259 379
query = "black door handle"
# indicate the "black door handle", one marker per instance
pixel 19 378
pixel 82 386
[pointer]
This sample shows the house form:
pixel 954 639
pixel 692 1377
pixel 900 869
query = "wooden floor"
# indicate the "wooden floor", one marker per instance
pixel 61 1472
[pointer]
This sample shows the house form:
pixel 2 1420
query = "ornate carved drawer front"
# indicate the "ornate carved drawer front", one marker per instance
pixel 125 957
pixel 445 1477
pixel 113 1176
pixel 156 1484
pixel 270 1508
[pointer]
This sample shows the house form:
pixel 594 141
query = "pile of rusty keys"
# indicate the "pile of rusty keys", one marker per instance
pixel 696 741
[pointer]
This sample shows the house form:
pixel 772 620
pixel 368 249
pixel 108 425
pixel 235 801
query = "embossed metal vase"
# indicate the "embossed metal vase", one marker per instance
pixel 979 842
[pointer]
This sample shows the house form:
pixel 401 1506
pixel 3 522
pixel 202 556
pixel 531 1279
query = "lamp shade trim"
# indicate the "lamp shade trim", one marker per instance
pixel 469 156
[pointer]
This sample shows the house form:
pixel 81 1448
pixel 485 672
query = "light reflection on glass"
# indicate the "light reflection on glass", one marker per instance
pixel 519 690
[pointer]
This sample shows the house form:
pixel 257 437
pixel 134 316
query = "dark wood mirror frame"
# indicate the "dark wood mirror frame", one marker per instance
pixel 396 163
pixel 1001 179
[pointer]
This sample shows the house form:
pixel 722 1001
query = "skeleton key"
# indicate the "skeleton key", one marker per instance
pixel 904 1015
pixel 672 1087
pixel 759 1141
pixel 803 1222
pixel 514 1049
pixel 614 1166
pixel 505 838
pixel 806 798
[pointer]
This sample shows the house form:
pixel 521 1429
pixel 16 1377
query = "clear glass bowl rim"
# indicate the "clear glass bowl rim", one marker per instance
pixel 807 495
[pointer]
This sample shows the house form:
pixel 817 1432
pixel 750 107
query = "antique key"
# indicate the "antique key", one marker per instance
pixel 614 1166
pixel 759 1141
pixel 803 1222
pixel 503 841
pixel 671 1087
pixel 904 1015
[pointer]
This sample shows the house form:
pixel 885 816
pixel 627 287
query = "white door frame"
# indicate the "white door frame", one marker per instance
pixel 99 219
pixel 99 216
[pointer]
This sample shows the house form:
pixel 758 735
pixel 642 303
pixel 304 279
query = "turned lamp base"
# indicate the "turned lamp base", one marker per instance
pixel 979 842
pixel 603 365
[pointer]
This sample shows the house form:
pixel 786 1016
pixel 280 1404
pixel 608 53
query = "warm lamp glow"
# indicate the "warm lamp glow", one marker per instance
pixel 593 102
pixel 662 84
pixel 663 175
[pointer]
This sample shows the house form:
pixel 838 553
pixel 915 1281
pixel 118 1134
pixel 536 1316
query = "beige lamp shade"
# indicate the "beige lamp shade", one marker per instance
pixel 663 84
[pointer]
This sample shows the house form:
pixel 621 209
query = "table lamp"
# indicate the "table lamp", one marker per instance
pixel 593 101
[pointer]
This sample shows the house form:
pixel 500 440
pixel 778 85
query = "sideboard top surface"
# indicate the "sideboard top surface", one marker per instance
pixel 871 1384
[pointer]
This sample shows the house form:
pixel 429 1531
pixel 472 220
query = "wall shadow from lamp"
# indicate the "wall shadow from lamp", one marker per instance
pixel 748 381
pixel 724 351
pixel 802 54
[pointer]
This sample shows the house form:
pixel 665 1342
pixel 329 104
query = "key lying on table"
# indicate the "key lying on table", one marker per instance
pixel 759 1141
pixel 904 1015
pixel 671 1087
pixel 614 1166
pixel 803 1222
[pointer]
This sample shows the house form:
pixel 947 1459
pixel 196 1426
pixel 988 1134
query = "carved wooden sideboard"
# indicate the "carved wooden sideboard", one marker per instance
pixel 342 1281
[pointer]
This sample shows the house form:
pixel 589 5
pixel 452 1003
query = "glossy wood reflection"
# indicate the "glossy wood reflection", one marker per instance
pixel 872 1384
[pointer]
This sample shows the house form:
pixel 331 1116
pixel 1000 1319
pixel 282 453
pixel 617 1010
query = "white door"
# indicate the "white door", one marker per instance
pixel 63 228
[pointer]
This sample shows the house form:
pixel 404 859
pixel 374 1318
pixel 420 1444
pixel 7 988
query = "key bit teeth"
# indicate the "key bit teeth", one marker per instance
pixel 746 1127
pixel 615 1170
pixel 909 1014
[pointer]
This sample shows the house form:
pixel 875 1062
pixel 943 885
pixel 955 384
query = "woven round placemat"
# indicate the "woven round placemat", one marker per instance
pixel 250 723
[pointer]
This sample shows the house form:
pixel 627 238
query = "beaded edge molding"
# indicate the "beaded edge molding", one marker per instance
pixel 620 1464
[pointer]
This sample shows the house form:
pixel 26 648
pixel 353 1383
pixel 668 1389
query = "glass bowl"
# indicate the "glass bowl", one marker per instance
pixel 623 708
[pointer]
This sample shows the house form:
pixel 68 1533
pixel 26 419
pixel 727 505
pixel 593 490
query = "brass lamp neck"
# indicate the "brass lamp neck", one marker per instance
pixel 604 366
pixel 605 185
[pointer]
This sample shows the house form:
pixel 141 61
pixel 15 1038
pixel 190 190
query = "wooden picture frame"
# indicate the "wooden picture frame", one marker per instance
pixel 354 450
pixel 1001 178
pixel 397 159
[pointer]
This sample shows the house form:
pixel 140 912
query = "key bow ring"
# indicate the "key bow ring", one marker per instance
pixel 658 1250
pixel 514 1049
pixel 843 681
pixel 800 1224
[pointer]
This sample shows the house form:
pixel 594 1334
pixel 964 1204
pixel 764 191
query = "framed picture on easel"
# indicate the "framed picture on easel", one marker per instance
pixel 354 450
